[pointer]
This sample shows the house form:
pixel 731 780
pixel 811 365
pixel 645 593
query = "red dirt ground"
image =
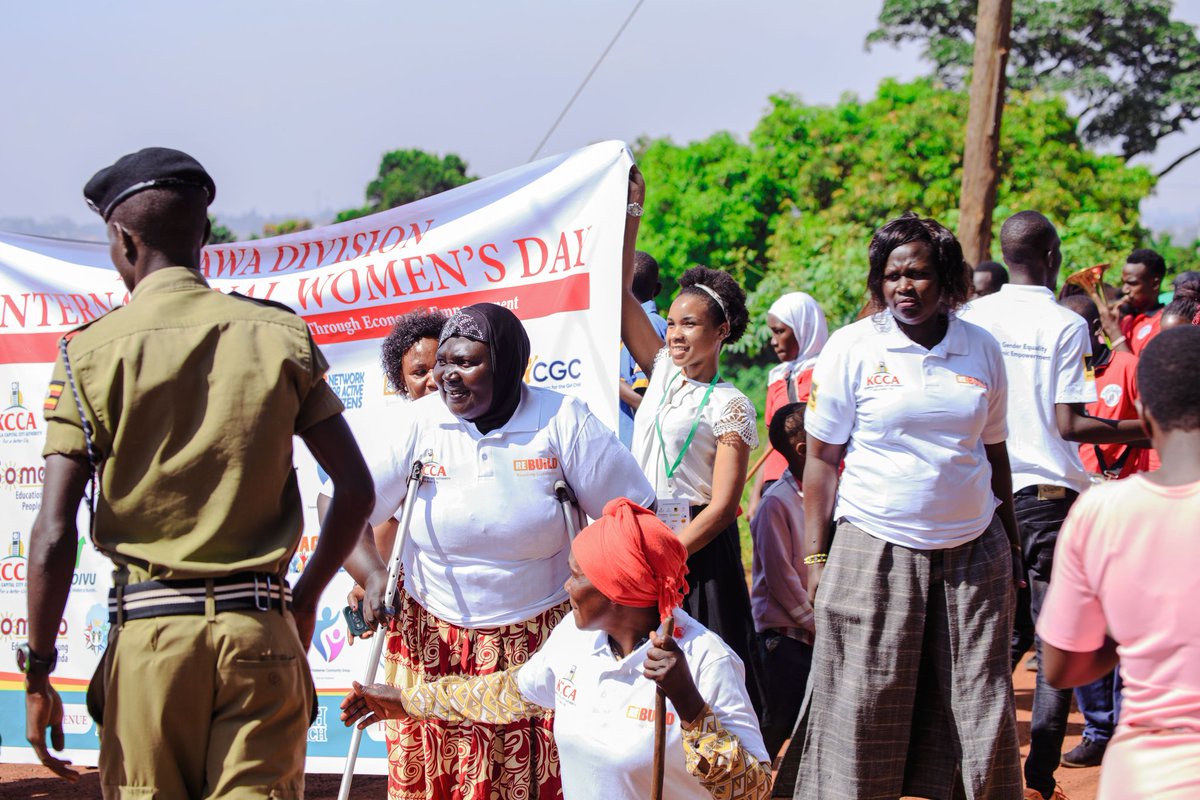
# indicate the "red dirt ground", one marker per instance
pixel 24 782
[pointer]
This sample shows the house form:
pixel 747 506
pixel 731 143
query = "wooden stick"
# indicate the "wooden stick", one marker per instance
pixel 758 464
pixel 660 727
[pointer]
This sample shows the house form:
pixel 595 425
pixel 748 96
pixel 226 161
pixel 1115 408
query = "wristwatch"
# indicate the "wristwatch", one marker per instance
pixel 29 661
pixel 634 209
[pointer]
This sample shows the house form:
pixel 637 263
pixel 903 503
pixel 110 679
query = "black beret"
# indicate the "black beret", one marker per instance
pixel 145 169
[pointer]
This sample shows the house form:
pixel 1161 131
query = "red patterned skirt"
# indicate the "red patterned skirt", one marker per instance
pixel 433 760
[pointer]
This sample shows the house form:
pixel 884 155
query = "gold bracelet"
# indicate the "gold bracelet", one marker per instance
pixel 816 558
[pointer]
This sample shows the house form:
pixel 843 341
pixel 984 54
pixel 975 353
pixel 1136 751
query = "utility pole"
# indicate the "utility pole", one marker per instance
pixel 993 30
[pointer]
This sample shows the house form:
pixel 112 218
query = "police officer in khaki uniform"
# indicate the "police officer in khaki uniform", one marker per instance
pixel 184 402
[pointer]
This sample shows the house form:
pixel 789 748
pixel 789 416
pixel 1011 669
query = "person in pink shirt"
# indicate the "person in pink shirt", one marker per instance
pixel 783 614
pixel 1125 584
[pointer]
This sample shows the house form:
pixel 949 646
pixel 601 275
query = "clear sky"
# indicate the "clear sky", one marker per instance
pixel 290 103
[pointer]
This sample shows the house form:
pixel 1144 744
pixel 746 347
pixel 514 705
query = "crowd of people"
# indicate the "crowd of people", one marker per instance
pixel 972 469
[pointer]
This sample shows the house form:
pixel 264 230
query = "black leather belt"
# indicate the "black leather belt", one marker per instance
pixel 245 591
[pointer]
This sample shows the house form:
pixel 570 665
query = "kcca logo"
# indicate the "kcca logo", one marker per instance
pixel 882 377
pixel 13 566
pixel 431 469
pixel 17 420
pixel 565 688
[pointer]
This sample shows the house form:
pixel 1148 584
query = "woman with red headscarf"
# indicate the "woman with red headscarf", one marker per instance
pixel 627 576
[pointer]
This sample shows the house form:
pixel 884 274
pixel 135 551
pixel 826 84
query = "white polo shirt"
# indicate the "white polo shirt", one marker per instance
pixel 1045 347
pixel 488 545
pixel 604 710
pixel 916 421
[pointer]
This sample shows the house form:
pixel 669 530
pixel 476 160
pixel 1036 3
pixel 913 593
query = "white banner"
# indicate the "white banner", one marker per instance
pixel 543 239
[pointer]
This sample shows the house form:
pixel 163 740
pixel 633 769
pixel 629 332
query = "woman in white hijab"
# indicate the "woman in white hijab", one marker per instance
pixel 798 332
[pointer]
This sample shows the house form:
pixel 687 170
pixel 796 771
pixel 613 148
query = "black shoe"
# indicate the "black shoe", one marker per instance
pixel 1087 753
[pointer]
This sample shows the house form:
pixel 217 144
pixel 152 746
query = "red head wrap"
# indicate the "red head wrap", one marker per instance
pixel 633 558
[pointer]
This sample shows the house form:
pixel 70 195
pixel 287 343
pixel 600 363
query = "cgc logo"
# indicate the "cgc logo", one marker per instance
pixel 17 422
pixel 566 373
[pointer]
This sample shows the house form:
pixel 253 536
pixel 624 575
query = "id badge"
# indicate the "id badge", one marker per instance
pixel 1047 492
pixel 674 513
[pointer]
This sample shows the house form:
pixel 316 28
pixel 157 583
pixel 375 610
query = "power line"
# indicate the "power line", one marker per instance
pixel 592 72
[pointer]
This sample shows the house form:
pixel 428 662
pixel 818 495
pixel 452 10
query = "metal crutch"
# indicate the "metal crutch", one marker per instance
pixel 568 501
pixel 414 482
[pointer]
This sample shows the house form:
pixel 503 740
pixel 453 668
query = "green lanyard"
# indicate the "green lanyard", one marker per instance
pixel 662 445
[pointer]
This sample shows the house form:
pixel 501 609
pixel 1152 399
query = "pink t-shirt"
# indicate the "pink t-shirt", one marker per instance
pixel 1128 562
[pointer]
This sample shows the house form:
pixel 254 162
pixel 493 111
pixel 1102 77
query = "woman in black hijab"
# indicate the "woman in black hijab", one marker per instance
pixel 486 557
pixel 481 361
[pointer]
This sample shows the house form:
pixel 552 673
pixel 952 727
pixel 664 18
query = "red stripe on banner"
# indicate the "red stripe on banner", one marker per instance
pixel 572 293
pixel 29 348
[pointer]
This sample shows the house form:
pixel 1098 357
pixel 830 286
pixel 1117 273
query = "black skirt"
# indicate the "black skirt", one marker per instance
pixel 719 600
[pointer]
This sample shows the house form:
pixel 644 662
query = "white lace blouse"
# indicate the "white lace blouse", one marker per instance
pixel 676 407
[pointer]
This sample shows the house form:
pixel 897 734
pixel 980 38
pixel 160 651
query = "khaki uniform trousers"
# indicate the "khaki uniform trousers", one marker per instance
pixel 214 706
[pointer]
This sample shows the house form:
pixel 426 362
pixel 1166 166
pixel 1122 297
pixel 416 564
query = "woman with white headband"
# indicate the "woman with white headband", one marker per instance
pixel 693 435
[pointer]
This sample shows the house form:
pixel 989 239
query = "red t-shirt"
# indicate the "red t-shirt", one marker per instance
pixel 777 398
pixel 1139 329
pixel 1116 387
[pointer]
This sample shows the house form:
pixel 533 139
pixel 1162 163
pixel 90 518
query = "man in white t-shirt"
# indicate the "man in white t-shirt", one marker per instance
pixel 1046 350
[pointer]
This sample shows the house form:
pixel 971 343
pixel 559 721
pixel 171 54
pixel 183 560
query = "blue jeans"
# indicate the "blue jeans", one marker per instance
pixel 1040 521
pixel 1100 704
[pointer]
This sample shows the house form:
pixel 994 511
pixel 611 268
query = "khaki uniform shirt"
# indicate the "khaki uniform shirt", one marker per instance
pixel 193 397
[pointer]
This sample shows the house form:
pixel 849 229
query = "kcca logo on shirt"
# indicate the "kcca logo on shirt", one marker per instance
pixel 565 689
pixel 881 378
pixel 431 469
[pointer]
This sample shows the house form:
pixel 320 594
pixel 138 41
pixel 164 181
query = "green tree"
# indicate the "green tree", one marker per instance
pixel 409 175
pixel 220 234
pixel 795 207
pixel 1134 70
pixel 710 205
pixel 285 226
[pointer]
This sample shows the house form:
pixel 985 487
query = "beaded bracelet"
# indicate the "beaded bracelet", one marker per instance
pixel 816 558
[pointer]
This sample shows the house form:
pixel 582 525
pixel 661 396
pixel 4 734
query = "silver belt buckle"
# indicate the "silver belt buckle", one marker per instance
pixel 262 602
